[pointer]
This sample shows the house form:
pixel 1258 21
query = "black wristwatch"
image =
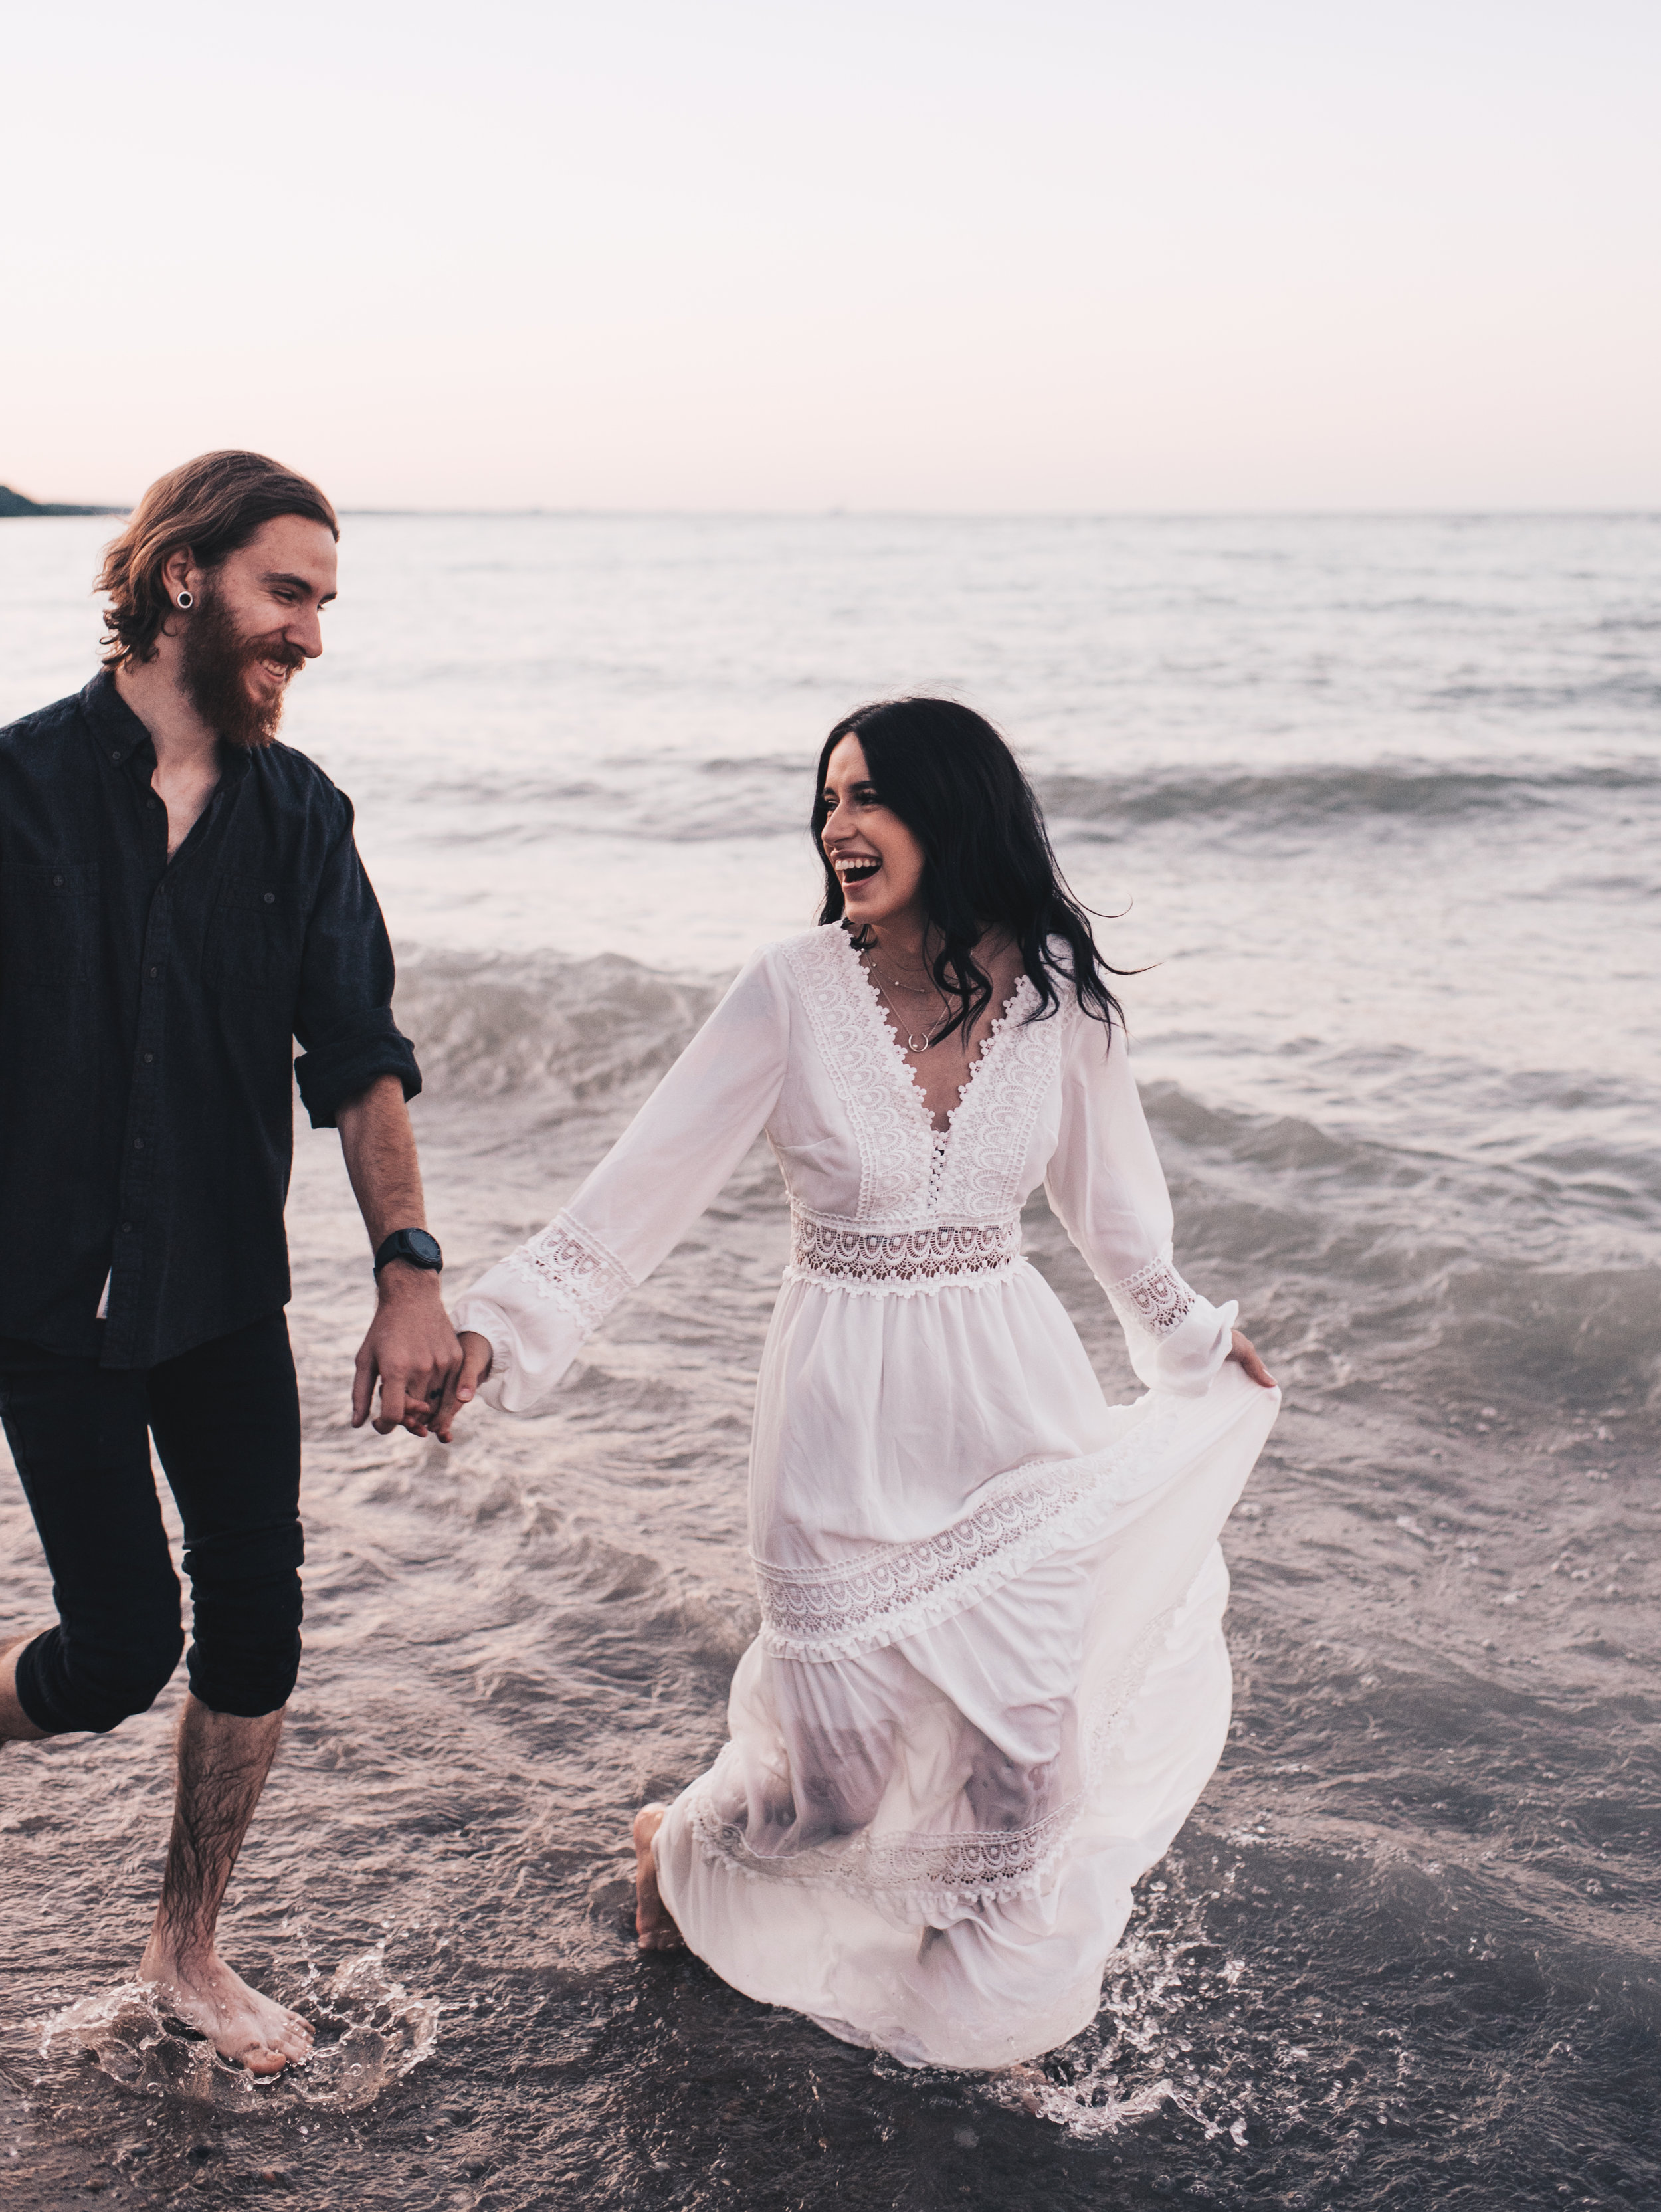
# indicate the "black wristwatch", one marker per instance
pixel 414 1245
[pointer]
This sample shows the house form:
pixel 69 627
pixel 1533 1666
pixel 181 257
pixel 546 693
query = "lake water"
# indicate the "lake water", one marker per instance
pixel 1378 803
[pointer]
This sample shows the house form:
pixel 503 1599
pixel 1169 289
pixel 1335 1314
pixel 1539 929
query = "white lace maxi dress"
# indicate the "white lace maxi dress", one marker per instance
pixel 990 1679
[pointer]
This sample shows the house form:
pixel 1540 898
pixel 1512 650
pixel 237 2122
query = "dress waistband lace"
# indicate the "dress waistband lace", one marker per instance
pixel 933 1256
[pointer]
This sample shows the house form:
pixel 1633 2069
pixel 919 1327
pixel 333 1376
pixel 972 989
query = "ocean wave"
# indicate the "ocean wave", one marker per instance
pixel 687 802
pixel 1254 800
pixel 726 800
pixel 1623 689
pixel 1546 1157
pixel 545 1030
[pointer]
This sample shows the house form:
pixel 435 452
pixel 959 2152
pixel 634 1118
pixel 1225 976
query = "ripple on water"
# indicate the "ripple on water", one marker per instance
pixel 370 2033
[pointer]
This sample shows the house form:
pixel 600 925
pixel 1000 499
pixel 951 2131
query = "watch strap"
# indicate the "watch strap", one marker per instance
pixel 418 1247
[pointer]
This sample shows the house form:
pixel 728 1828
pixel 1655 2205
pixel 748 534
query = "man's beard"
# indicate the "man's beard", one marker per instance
pixel 215 664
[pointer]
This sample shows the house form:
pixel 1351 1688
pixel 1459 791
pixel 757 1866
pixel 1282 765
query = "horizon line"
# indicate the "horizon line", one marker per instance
pixel 989 514
pixel 91 511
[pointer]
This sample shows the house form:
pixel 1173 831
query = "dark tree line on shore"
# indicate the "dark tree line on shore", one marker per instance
pixel 13 503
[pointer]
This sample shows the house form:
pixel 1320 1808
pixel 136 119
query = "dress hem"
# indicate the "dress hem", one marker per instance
pixel 1045 1845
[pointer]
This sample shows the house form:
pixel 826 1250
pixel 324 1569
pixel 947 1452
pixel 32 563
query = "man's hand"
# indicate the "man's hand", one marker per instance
pixel 462 1391
pixel 411 1350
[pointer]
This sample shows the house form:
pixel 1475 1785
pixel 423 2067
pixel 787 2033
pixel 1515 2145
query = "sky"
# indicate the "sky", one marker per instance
pixel 760 255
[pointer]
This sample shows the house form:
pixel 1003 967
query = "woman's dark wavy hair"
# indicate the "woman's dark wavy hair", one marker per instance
pixel 987 862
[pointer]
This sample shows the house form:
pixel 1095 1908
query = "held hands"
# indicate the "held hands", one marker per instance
pixel 1246 1352
pixel 412 1351
pixel 476 1365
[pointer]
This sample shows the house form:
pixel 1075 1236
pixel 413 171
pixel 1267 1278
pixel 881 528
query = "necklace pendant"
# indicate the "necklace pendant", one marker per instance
pixel 915 1043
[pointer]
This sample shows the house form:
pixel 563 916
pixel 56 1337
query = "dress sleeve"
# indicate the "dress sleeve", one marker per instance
pixel 1106 1186
pixel 539 1305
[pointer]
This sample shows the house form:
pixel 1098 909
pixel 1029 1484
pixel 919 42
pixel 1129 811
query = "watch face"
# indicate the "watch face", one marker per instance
pixel 421 1246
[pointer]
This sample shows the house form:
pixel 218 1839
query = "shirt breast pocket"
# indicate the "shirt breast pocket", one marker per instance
pixel 254 944
pixel 49 925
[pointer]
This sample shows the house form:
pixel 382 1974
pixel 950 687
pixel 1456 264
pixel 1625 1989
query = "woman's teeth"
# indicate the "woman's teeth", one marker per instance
pixel 856 872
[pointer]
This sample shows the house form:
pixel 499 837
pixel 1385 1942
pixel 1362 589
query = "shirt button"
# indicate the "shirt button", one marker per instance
pixel 57 881
pixel 148 1057
pixel 156 971
pixel 138 1144
pixel 270 898
pixel 126 1228
pixel 115 756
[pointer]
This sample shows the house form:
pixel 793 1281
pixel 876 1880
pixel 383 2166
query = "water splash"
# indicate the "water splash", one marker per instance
pixel 370 2033
pixel 1160 2040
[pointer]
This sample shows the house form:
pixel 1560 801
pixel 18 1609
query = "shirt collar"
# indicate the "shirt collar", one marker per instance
pixel 120 735
pixel 116 729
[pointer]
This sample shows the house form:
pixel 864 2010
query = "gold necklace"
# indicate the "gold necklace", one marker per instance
pixel 912 990
pixel 913 1043
pixel 932 989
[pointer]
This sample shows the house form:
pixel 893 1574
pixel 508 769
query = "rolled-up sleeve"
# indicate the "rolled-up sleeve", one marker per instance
pixel 343 1018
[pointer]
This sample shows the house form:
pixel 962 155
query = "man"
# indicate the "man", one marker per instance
pixel 180 898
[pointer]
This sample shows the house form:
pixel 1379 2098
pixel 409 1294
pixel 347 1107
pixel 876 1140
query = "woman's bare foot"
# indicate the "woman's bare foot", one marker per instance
pixel 652 1924
pixel 1028 2083
pixel 256 2032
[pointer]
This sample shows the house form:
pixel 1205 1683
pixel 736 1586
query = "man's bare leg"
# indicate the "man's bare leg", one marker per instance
pixel 654 1927
pixel 15 1726
pixel 223 1760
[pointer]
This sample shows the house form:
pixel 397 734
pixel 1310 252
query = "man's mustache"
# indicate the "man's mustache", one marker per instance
pixel 279 650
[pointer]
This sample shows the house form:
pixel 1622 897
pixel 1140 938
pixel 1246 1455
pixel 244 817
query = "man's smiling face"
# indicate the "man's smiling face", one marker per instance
pixel 255 622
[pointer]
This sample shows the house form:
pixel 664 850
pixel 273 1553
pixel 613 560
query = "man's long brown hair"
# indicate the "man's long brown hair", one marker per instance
pixel 213 505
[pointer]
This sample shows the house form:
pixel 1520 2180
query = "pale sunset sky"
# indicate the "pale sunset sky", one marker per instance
pixel 925 254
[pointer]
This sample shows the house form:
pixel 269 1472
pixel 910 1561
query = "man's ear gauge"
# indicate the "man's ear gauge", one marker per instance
pixel 187 599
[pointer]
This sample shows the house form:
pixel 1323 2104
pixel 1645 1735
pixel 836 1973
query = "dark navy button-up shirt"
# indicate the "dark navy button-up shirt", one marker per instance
pixel 147 1016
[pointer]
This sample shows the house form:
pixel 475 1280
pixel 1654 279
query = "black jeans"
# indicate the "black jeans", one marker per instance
pixel 225 1420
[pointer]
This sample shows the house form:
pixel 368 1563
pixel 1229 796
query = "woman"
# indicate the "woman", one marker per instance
pixel 990 1679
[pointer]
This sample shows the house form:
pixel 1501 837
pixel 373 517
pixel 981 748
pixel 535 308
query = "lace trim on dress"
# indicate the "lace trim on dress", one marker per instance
pixel 975 1160
pixel 838 1256
pixel 980 1170
pixel 1155 1299
pixel 970 1170
pixel 820 1615
pixel 931 1876
pixel 570 1264
pixel 858 1047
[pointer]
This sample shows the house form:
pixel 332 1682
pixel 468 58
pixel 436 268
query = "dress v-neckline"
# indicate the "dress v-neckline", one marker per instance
pixel 907 1074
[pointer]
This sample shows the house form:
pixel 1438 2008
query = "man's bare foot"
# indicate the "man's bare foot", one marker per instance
pixel 256 2032
pixel 653 1926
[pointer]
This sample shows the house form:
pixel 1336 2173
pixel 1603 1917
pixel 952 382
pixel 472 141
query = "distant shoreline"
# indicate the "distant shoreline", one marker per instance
pixel 860 514
pixel 14 506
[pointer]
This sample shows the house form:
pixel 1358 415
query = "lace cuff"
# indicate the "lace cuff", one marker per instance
pixel 1155 1300
pixel 568 1264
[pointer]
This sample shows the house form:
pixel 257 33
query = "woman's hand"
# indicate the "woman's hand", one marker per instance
pixel 1244 1350
pixel 475 1366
